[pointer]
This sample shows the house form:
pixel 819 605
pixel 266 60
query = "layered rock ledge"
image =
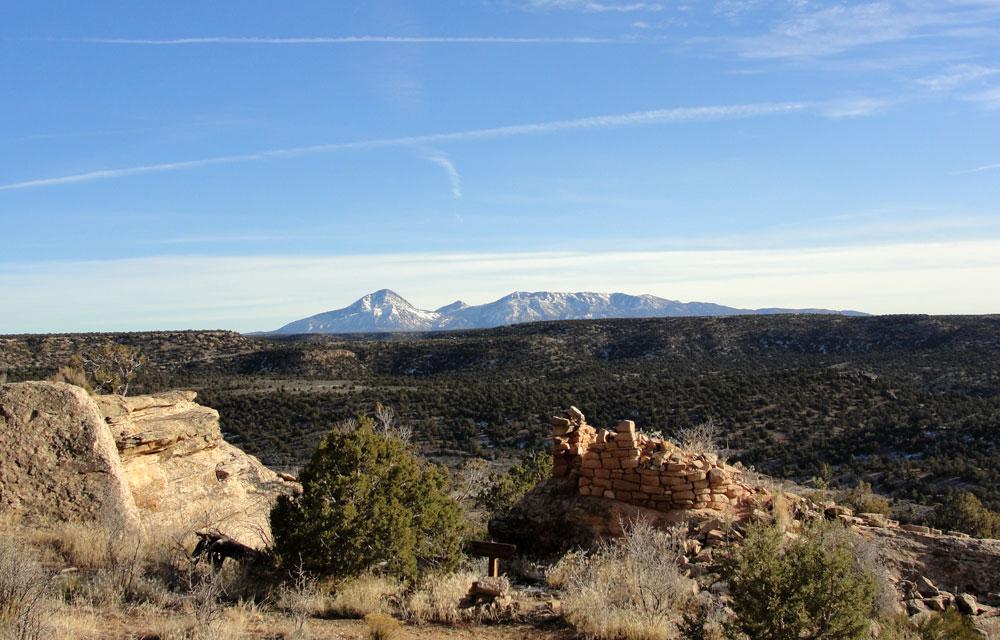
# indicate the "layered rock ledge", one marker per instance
pixel 144 461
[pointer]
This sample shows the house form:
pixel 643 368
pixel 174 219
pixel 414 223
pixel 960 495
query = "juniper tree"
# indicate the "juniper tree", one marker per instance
pixel 369 503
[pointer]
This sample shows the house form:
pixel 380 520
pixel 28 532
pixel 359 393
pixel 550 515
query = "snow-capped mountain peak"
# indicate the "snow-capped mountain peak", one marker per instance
pixel 383 310
pixel 386 310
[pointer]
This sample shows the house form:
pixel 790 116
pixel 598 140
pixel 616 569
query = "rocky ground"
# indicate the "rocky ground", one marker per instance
pixel 84 478
pixel 603 478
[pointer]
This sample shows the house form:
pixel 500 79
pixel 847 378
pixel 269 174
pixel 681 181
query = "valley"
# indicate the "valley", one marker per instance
pixel 910 404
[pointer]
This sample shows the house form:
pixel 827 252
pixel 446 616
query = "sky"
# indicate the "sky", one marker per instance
pixel 243 164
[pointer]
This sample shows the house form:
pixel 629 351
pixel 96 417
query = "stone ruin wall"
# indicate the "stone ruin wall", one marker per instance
pixel 641 470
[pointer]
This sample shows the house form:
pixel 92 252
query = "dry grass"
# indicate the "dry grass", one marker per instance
pixel 873 561
pixel 23 586
pixel 700 439
pixel 75 623
pixel 629 588
pixel 73 544
pixel 780 510
pixel 382 627
pixel 437 597
pixel 559 574
pixel 302 599
pixel 357 597
pixel 190 628
pixel 131 586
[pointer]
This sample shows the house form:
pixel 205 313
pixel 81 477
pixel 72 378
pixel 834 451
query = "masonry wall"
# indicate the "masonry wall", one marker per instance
pixel 627 466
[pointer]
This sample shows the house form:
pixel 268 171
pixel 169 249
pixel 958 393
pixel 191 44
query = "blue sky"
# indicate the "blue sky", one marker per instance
pixel 242 164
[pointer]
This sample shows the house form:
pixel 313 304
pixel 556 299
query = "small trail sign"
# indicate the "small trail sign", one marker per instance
pixel 494 551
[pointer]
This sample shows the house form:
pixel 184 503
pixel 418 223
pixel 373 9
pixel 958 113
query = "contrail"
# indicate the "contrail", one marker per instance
pixel 987 167
pixel 680 114
pixel 374 39
pixel 454 177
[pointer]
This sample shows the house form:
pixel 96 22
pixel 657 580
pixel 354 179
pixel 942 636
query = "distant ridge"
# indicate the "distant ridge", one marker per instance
pixel 387 311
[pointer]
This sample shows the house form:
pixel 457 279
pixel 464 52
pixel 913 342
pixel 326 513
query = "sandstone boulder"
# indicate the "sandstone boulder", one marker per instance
pixel 181 471
pixel 58 460
pixel 157 460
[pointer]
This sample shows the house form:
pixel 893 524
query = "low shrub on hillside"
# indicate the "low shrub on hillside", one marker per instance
pixel 630 587
pixel 368 502
pixel 503 490
pixel 810 587
pixel 862 499
pixel 946 625
pixel 962 511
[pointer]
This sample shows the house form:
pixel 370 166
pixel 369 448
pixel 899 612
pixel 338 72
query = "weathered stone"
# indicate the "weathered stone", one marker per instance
pixel 915 528
pixel 576 415
pixel 156 460
pixel 926 588
pixel 966 603
pixel 915 606
pixel 624 485
pixel 625 427
pixel 716 476
pixel 836 511
pixel 58 458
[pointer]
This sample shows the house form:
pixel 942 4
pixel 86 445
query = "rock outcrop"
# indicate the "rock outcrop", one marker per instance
pixel 157 460
pixel 58 460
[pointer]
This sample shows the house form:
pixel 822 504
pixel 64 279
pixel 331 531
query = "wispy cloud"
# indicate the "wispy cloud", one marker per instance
pixel 333 40
pixel 855 107
pixel 808 32
pixel 218 239
pixel 595 6
pixel 989 98
pixel 985 167
pixel 442 160
pixel 957 75
pixel 659 116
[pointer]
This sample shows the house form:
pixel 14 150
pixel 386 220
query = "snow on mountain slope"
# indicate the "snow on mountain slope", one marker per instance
pixel 385 310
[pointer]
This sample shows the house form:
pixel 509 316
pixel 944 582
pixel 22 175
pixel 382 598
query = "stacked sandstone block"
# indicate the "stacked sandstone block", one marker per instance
pixel 641 470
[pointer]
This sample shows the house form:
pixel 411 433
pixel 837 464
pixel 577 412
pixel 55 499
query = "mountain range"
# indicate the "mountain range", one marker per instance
pixel 387 311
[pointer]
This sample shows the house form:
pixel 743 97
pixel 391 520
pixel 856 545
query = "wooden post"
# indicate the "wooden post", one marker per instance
pixel 493 552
